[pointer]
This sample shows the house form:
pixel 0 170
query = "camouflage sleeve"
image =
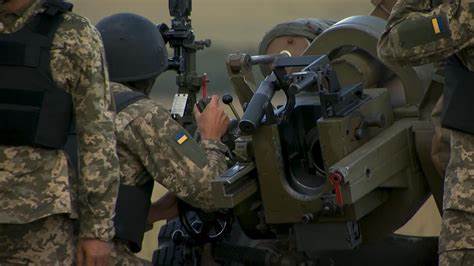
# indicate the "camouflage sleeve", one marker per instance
pixel 174 159
pixel 421 32
pixel 98 164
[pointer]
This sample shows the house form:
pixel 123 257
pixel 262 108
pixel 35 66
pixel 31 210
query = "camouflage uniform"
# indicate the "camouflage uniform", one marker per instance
pixel 146 141
pixel 121 255
pixel 39 194
pixel 406 42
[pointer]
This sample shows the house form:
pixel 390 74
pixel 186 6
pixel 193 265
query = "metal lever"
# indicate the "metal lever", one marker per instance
pixel 377 121
pixel 228 99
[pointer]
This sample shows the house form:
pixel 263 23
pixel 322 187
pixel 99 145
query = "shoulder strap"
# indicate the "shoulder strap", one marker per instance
pixel 25 46
pixel 54 7
pixel 49 21
pixel 126 98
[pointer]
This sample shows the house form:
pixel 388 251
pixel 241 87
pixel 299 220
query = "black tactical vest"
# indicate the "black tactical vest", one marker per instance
pixel 133 202
pixel 458 110
pixel 33 111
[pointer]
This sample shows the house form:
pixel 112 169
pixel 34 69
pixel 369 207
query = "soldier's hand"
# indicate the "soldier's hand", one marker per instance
pixel 166 208
pixel 213 122
pixel 93 252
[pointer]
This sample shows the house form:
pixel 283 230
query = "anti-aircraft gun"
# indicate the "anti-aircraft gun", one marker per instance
pixel 324 178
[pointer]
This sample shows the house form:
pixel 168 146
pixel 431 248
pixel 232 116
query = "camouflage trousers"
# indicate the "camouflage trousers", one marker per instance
pixel 457 231
pixel 121 255
pixel 48 241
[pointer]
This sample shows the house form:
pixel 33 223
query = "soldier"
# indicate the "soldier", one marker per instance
pixel 52 76
pixel 294 36
pixel 151 145
pixel 427 31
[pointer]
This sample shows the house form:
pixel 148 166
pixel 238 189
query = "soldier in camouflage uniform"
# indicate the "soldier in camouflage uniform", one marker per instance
pixel 427 31
pixel 40 196
pixel 150 144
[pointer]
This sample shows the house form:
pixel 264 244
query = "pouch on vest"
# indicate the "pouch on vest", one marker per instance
pixel 458 97
pixel 131 213
pixel 33 110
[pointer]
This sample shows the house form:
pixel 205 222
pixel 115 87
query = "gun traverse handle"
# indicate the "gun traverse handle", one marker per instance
pixel 256 108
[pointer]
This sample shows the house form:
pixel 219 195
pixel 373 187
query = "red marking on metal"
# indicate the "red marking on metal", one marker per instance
pixel 337 179
pixel 204 86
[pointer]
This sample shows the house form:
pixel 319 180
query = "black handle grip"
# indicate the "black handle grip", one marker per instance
pixel 256 108
pixel 202 104
pixel 227 99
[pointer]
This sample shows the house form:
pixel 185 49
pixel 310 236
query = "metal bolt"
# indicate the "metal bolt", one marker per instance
pixel 307 218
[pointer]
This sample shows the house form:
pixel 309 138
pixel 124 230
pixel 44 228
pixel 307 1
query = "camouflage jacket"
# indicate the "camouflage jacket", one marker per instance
pixel 427 31
pixel 148 139
pixel 35 182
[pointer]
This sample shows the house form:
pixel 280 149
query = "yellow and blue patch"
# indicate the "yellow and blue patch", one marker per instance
pixel 438 26
pixel 181 138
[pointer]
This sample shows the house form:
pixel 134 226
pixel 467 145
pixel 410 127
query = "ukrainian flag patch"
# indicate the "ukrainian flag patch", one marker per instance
pixel 437 25
pixel 181 138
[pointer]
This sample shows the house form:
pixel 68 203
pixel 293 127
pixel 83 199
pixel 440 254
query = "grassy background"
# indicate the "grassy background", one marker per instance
pixel 238 25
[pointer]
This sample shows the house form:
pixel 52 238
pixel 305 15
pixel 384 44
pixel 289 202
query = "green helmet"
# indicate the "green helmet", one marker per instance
pixel 134 47
pixel 309 28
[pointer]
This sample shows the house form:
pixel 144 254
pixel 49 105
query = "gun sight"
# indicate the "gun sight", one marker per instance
pixel 180 8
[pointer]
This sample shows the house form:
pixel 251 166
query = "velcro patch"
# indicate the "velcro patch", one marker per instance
pixel 187 147
pixel 416 32
pixel 471 7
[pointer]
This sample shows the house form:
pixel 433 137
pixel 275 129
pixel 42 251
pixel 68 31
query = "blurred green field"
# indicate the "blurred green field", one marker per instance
pixel 238 25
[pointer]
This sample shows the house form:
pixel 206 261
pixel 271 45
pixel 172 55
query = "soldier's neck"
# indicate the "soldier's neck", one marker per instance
pixel 16 6
pixel 143 86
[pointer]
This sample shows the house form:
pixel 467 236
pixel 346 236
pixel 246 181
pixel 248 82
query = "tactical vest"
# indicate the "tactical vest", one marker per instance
pixel 33 110
pixel 458 97
pixel 133 202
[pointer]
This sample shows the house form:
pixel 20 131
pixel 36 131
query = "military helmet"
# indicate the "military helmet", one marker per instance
pixel 294 36
pixel 134 47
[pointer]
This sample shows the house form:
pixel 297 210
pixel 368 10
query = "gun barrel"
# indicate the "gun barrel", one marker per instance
pixel 255 110
pixel 267 58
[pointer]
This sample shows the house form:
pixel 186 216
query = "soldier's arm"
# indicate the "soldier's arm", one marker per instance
pixel 98 164
pixel 173 158
pixel 420 32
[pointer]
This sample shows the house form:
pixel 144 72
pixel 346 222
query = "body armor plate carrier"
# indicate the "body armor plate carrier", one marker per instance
pixel 33 110
pixel 458 97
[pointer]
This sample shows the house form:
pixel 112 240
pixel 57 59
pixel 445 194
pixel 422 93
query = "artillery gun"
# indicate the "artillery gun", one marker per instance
pixel 326 177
